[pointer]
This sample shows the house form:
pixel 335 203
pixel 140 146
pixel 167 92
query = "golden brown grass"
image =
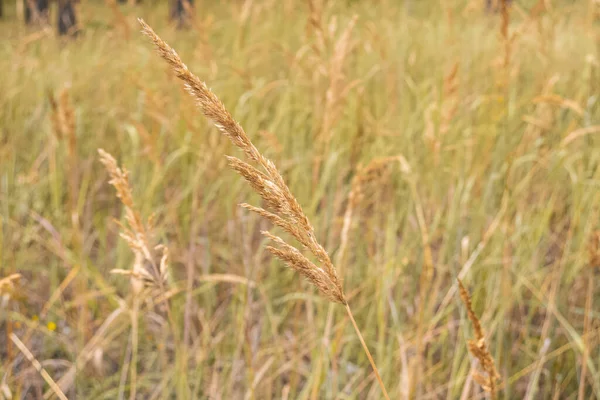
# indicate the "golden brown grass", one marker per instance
pixel 150 268
pixel 337 87
pixel 500 189
pixel 64 128
pixel 270 185
pixel 63 118
pixel 479 349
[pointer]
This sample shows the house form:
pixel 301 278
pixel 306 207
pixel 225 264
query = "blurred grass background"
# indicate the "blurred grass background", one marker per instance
pixel 503 161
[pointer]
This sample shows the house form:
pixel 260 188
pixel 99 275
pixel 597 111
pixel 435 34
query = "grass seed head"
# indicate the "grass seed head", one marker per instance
pixel 268 182
pixel 594 249
pixel 479 349
pixel 150 267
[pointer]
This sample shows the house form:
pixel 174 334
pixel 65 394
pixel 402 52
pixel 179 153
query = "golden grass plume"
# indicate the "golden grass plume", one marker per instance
pixel 269 184
pixel 149 269
pixel 63 116
pixel 479 348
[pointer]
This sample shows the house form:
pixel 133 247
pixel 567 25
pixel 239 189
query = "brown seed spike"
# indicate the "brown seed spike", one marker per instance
pixel 479 349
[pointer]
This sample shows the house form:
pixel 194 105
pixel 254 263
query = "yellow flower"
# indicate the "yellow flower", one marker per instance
pixel 51 326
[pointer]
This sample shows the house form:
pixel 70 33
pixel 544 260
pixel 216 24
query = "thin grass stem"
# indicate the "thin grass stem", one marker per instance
pixel 368 353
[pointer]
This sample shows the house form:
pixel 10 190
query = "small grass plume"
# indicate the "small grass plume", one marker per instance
pixel 270 185
pixel 137 234
pixel 63 116
pixel 479 348
pixel 150 270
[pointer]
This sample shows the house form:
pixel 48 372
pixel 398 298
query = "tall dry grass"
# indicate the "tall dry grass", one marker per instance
pixel 271 187
pixel 418 154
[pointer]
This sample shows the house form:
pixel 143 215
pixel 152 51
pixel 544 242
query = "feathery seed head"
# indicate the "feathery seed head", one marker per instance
pixel 150 269
pixel 268 183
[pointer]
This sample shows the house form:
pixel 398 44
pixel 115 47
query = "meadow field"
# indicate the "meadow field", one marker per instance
pixel 425 141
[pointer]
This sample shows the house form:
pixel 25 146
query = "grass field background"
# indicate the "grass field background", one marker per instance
pixel 475 147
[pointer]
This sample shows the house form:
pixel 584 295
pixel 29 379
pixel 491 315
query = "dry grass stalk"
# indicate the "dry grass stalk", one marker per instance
pixel 368 180
pixel 63 124
pixel 446 108
pixel 426 276
pixel 150 268
pixel 337 89
pixel 451 100
pixel 332 67
pixel 63 116
pixel 38 367
pixel 269 184
pixel 336 92
pixel 479 349
pixel 315 21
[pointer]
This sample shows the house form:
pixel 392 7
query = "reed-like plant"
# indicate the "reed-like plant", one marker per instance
pixel 286 212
